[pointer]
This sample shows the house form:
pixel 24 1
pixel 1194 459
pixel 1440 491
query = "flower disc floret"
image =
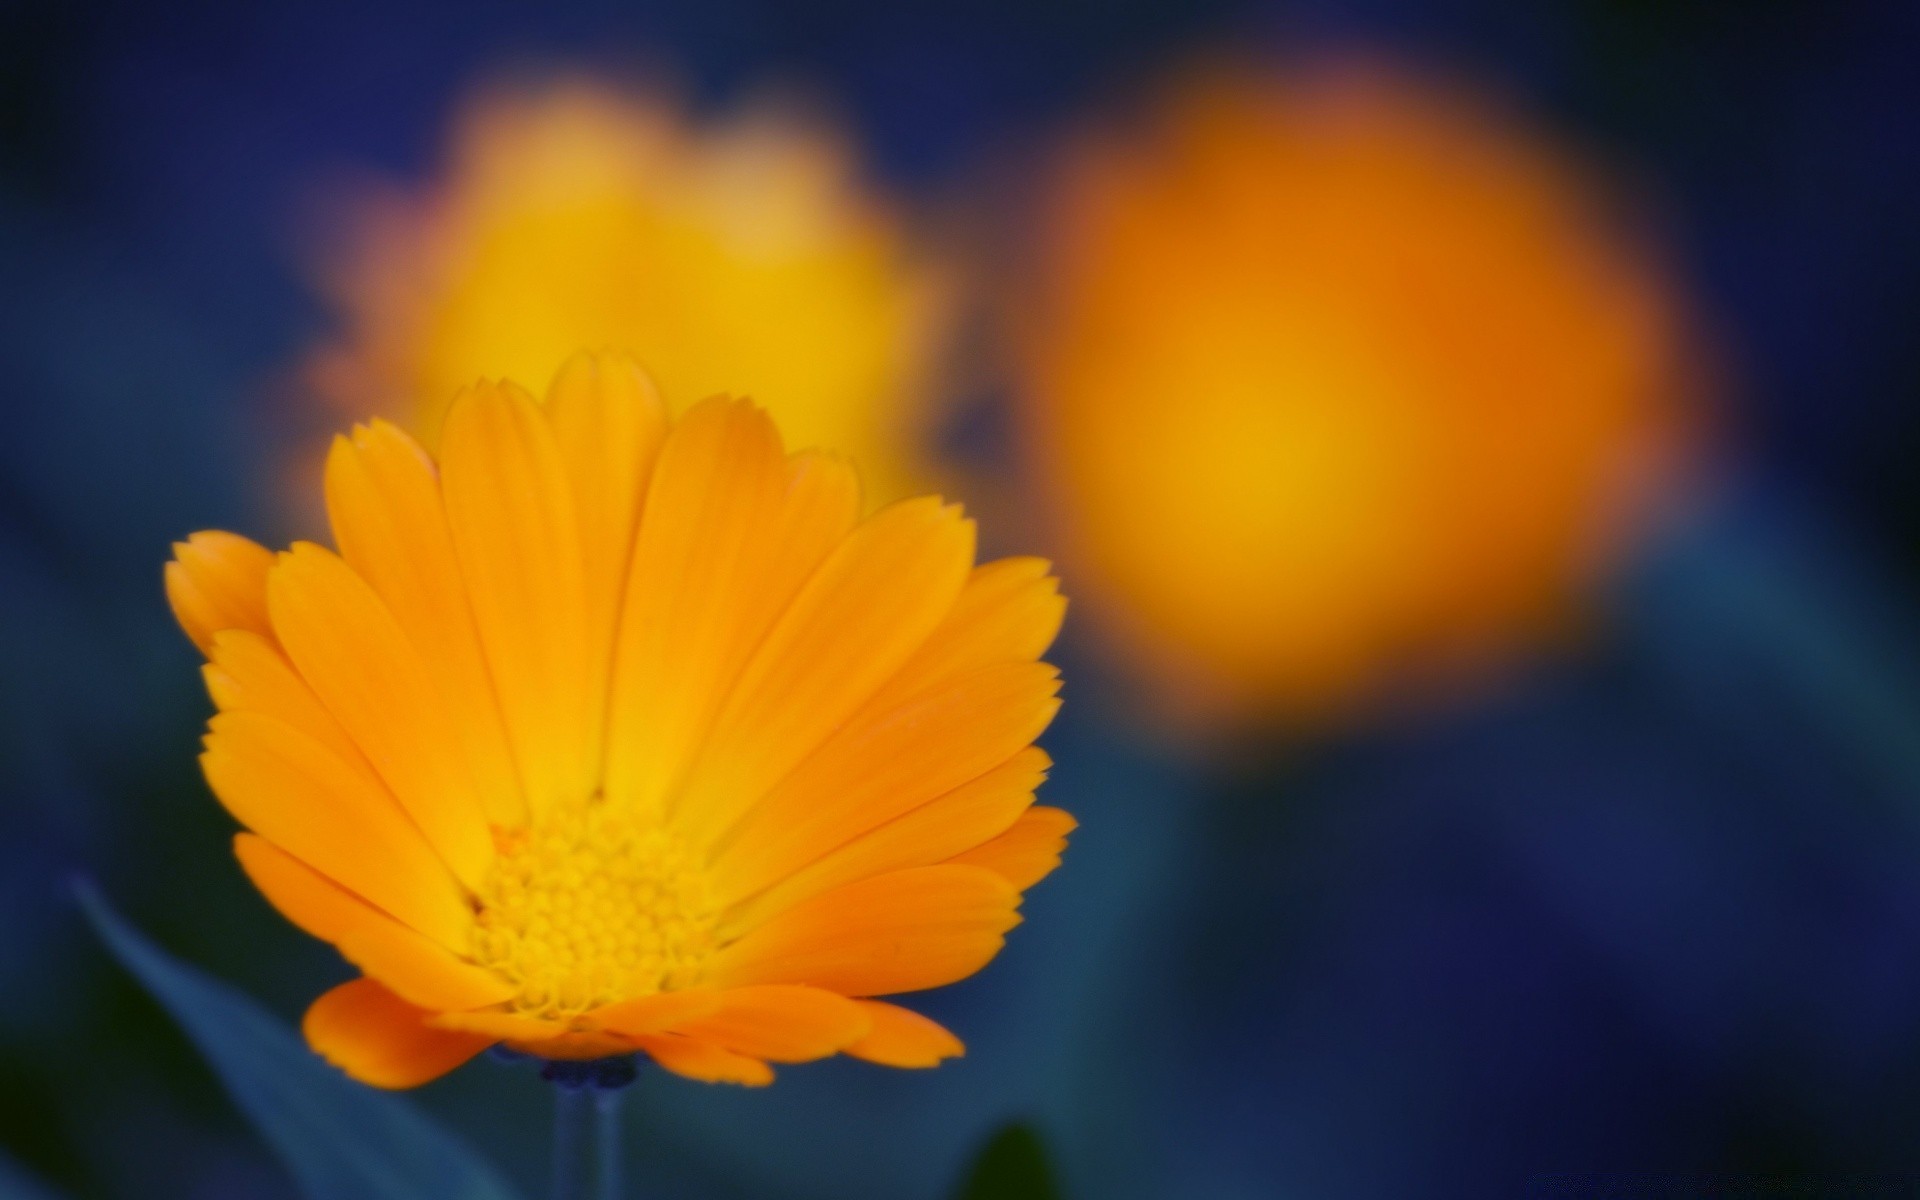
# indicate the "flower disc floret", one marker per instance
pixel 587 907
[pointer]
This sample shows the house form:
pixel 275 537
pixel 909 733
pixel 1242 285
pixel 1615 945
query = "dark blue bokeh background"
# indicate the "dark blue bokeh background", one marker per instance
pixel 1650 913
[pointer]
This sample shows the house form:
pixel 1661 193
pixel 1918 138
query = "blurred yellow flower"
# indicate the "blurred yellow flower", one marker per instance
pixel 1334 383
pixel 606 732
pixel 738 255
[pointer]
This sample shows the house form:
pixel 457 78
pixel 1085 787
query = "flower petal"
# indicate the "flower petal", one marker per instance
pixel 900 1037
pixel 293 791
pixel 1009 611
pixel 383 499
pixel 730 532
pixel 218 581
pixel 886 763
pixel 249 673
pixel 574 1045
pixel 870 605
pixel 1029 851
pixel 608 424
pixel 380 1039
pixel 415 967
pixel 781 1023
pixel 656 1013
pixel 705 1061
pixel 500 1026
pixel 348 646
pixel 898 932
pixel 511 510
pixel 929 834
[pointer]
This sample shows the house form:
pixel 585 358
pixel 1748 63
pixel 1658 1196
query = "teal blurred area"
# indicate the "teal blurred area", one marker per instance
pixel 1649 911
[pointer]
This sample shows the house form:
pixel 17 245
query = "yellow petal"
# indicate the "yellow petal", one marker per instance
pixel 870 605
pixel 1029 851
pixel 1009 611
pixel 248 673
pixel 420 970
pixel 730 532
pixel 217 581
pixel 932 833
pixel 294 792
pixel 380 1039
pixel 608 424
pixel 383 499
pixel 705 1061
pixel 899 932
pixel 902 1038
pixel 779 1023
pixel 886 763
pixel 657 1013
pixel 362 666
pixel 511 510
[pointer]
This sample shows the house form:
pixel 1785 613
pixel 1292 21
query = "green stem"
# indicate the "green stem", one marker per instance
pixel 572 1138
pixel 587 1146
pixel 607 1106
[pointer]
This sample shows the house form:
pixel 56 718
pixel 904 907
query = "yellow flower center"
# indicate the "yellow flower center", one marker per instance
pixel 587 906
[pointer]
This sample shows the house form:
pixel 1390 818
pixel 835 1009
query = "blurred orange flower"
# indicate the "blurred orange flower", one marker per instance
pixel 1334 381
pixel 737 254
pixel 604 733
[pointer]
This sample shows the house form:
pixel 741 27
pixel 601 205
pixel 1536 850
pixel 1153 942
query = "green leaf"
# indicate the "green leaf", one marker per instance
pixel 1011 1166
pixel 340 1139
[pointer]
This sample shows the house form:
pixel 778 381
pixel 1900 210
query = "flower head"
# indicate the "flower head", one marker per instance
pixel 737 255
pixel 1337 379
pixel 603 732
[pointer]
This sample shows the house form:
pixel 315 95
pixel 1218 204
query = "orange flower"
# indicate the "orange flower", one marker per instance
pixel 738 255
pixel 1335 381
pixel 606 733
